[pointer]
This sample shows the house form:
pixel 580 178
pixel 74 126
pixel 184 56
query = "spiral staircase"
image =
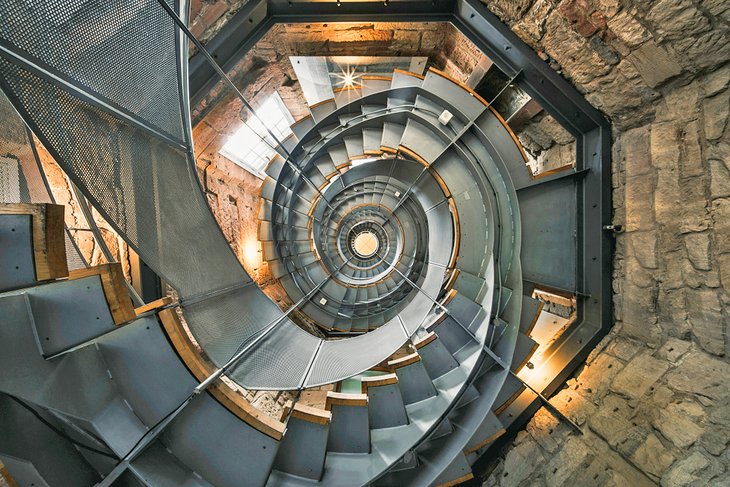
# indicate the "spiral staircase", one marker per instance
pixel 389 217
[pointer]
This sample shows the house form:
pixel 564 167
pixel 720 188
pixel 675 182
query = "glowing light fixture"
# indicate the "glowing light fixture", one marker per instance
pixel 348 77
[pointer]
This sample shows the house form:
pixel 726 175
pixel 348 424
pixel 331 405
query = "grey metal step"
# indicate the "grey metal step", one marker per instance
pixel 457 472
pixel 490 429
pixel 350 425
pixel 303 449
pixel 386 408
pixel 436 358
pixel 320 110
pixel 413 379
pixel 156 467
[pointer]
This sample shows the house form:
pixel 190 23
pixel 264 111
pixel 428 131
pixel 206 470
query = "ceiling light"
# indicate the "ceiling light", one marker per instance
pixel 348 77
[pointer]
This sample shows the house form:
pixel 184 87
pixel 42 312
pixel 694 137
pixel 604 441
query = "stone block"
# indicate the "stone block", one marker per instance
pixel 701 374
pixel 684 472
pixel 672 304
pixel 642 246
pixel 691 207
pixel 628 29
pixel 639 375
pixel 573 457
pixel 679 104
pixel 673 350
pixel 719 178
pixel 652 457
pixel 572 51
pixel 724 264
pixel 509 10
pixel 595 379
pixel 715 439
pixel 624 348
pixel 706 318
pixel 666 197
pixel 698 250
pixel 654 64
pixel 707 50
pixel 674 19
pixel 639 203
pixel 678 426
pixel 575 406
pixel 547 430
pixel 636 151
pixel 691 151
pixel 665 144
pixel 716 81
pixel 721 220
pixel 715 112
pixel 520 462
pixel 611 422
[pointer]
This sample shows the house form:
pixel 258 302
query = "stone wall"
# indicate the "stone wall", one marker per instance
pixel 652 400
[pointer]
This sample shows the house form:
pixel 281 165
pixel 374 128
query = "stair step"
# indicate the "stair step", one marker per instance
pixel 345 96
pixel 350 425
pixel 512 388
pixel 490 429
pixel 303 449
pixel 371 140
pixel 463 310
pixel 457 95
pixel 211 441
pixel 157 467
pixel 385 407
pixel 338 154
pixel 320 110
pixel 302 126
pixel 422 140
pixel 413 380
pixel 402 79
pixel 354 146
pixel 392 134
pixel 451 334
pixel 531 309
pixel 436 358
pixel 457 472
pixel 524 349
pixel 374 84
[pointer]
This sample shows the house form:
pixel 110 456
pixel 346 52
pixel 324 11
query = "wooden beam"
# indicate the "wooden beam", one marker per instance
pixel 157 304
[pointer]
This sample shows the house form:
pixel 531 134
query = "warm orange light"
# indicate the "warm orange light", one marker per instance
pixel 251 257
pixel 348 78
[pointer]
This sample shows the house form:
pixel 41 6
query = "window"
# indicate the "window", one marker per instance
pixel 251 146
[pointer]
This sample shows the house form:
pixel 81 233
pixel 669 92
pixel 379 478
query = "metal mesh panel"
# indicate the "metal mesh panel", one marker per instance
pixel 123 50
pixel 143 187
pixel 222 323
pixel 26 183
pixel 340 359
pixel 279 361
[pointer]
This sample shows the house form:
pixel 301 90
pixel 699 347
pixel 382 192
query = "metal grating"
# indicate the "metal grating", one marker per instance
pixel 109 49
pixel 135 181
pixel 279 361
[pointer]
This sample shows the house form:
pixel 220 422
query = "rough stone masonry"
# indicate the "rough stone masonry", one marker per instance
pixel 652 399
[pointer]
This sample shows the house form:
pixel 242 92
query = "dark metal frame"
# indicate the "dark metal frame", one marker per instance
pixel 590 180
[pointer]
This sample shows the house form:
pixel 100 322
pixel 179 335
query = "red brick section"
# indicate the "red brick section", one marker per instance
pixel 584 17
